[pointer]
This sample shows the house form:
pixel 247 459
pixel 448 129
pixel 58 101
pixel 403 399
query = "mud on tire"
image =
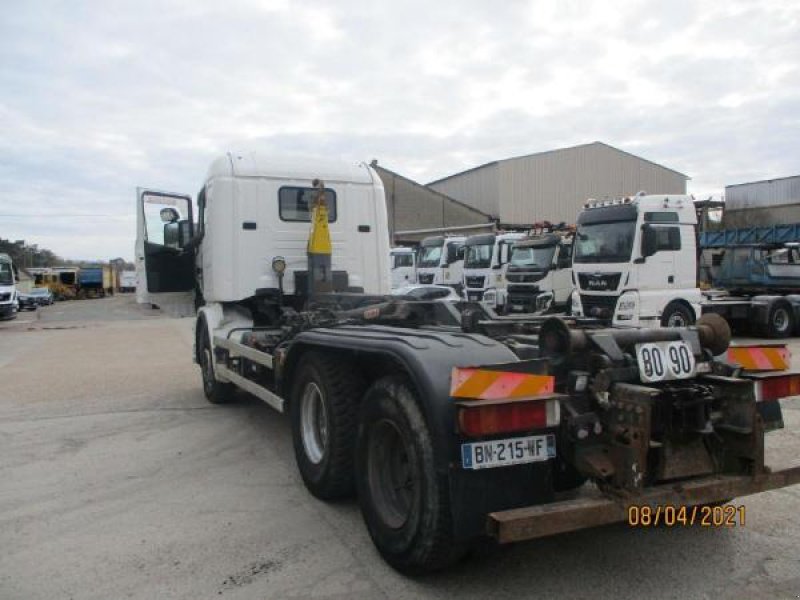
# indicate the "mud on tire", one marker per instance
pixel 405 503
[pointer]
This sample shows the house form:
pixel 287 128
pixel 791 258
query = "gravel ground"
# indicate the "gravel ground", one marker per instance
pixel 119 480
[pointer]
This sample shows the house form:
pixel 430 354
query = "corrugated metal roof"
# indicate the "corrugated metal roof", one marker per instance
pixel 375 165
pixel 762 194
pixel 568 148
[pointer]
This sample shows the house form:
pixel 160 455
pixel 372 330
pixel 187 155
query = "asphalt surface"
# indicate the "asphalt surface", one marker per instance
pixel 118 480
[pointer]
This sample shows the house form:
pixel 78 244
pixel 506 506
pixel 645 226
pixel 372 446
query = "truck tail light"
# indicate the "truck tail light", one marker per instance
pixel 774 388
pixel 476 419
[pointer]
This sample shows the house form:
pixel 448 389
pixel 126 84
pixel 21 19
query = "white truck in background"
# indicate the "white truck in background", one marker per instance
pixel 635 261
pixel 539 273
pixel 127 281
pixel 9 303
pixel 441 261
pixel 486 257
pixel 403 265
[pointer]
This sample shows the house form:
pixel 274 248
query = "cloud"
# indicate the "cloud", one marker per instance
pixel 99 98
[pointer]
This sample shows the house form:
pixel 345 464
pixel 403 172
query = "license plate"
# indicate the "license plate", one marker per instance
pixel 664 361
pixel 504 453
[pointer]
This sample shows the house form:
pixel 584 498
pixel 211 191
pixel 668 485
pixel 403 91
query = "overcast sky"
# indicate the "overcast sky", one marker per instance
pixel 98 98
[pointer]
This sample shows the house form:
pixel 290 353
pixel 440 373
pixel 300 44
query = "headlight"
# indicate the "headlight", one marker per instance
pixel 490 296
pixel 543 301
pixel 575 304
pixel 627 306
pixel 628 302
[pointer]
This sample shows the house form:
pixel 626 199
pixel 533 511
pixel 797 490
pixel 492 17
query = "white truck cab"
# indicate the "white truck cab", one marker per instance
pixel 404 271
pixel 635 261
pixel 486 257
pixel 247 248
pixel 9 303
pixel 539 273
pixel 441 261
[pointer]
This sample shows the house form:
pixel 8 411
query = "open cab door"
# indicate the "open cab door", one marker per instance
pixel 165 258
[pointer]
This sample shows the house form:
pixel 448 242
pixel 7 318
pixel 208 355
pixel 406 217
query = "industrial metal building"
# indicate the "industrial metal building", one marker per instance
pixel 745 202
pixel 416 211
pixel 554 185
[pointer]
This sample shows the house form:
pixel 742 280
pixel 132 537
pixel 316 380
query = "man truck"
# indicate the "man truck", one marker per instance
pixel 635 263
pixel 485 261
pixel 452 425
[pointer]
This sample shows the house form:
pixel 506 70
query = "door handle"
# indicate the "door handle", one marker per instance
pixel 671 279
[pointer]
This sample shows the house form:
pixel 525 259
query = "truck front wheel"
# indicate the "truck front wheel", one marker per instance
pixel 405 503
pixel 323 414
pixel 677 314
pixel 216 391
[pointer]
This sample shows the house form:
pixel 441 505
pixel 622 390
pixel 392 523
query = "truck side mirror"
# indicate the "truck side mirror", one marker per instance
pixel 169 215
pixel 649 241
pixel 184 233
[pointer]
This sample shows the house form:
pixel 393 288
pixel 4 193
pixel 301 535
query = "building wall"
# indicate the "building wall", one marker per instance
pixel 763 202
pixel 478 188
pixel 554 185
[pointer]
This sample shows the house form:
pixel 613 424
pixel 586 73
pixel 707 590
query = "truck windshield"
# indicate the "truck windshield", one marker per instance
pixel 605 242
pixel 479 257
pixel 430 257
pixel 6 276
pixel 540 257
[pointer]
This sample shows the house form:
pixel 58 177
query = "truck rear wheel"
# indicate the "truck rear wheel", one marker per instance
pixel 323 414
pixel 779 322
pixel 405 503
pixel 677 314
pixel 216 391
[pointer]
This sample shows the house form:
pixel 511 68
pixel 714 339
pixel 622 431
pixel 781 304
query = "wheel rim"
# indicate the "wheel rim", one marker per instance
pixel 393 478
pixel 780 319
pixel 677 319
pixel 314 423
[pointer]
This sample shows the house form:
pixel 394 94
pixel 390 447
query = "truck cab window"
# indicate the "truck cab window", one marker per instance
pixel 295 204
pixel 6 275
pixel 668 238
pixel 477 257
pixel 403 260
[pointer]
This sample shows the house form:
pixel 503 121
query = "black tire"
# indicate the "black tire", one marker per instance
pixel 677 314
pixel 405 503
pixel 215 391
pixel 780 321
pixel 323 409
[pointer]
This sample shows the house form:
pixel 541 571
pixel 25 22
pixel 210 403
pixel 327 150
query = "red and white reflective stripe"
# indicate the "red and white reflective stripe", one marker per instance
pixel 483 384
pixel 760 358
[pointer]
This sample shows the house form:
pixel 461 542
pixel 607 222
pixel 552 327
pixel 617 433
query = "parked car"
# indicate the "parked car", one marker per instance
pixel 427 292
pixel 27 301
pixel 43 296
